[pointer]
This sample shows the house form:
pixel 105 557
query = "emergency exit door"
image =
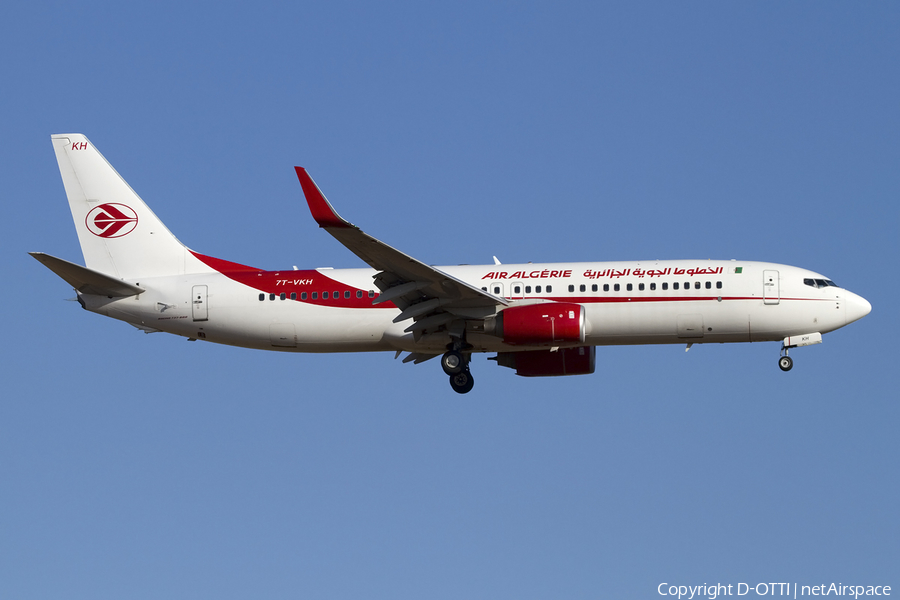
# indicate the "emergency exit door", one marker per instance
pixel 198 303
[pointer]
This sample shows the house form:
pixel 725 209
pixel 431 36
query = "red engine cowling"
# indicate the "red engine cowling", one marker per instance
pixel 546 363
pixel 543 323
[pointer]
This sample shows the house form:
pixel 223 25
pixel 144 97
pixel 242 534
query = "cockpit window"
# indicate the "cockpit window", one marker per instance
pixel 819 283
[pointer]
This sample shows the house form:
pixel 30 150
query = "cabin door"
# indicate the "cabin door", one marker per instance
pixel 198 303
pixel 771 289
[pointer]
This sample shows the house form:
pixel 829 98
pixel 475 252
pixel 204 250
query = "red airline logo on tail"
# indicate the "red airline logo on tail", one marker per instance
pixel 111 220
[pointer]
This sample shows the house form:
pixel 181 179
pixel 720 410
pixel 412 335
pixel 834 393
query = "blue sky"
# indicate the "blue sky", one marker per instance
pixel 143 466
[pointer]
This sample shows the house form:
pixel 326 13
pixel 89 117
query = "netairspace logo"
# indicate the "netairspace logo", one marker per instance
pixel 713 591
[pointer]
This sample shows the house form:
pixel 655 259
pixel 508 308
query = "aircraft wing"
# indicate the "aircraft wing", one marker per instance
pixel 421 291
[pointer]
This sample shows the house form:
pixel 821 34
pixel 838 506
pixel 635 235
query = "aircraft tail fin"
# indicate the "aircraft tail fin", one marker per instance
pixel 119 234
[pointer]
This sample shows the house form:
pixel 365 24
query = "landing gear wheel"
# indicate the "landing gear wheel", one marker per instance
pixel 785 363
pixel 453 363
pixel 462 382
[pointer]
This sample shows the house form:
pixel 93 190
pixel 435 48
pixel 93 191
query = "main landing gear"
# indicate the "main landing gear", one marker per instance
pixel 462 382
pixel 456 365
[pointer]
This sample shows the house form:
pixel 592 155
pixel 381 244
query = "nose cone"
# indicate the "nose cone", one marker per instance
pixel 856 307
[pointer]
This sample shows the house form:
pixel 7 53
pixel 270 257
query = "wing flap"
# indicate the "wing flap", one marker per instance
pixel 87 281
pixel 418 357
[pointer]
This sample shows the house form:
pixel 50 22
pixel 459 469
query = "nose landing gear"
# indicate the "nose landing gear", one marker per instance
pixel 796 341
pixel 785 362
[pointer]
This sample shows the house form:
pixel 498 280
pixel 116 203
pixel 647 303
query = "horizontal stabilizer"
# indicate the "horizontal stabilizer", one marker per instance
pixel 87 281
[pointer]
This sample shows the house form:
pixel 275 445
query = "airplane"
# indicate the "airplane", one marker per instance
pixel 541 319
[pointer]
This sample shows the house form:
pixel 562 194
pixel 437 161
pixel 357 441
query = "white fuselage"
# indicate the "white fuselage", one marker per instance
pixel 542 320
pixel 647 302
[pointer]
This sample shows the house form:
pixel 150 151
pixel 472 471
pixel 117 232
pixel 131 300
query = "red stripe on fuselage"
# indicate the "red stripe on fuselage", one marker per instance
pixel 298 282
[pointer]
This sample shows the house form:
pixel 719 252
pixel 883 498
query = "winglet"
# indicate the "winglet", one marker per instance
pixel 320 208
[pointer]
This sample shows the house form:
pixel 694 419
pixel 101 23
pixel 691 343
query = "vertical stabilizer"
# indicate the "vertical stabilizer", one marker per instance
pixel 118 233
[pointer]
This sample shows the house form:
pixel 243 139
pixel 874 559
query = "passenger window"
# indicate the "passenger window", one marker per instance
pixel 652 286
pixel 347 294
pixel 336 295
pixel 549 288
pixel 315 295
pixel 271 296
pixel 293 295
pixel 484 289
pixel 696 285
pixel 517 289
pixel 571 288
pixel 582 288
pixel 324 295
pixel 303 295
pixel 616 287
pixel 709 285
pixel 372 293
pixel 537 289
pixel 629 287
pixel 359 293
pixel 687 285
pixel 262 297
pixel 527 289
pixel 641 287
pixel 497 289
pixel 675 286
pixel 718 285
pixel 283 296
pixel 605 287
pixel 594 288
pixel 665 285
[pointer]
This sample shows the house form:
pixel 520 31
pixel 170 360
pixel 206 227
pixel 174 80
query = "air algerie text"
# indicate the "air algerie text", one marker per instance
pixel 527 274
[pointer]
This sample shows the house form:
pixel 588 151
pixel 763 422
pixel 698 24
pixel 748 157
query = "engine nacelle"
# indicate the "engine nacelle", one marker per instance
pixel 545 323
pixel 547 363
